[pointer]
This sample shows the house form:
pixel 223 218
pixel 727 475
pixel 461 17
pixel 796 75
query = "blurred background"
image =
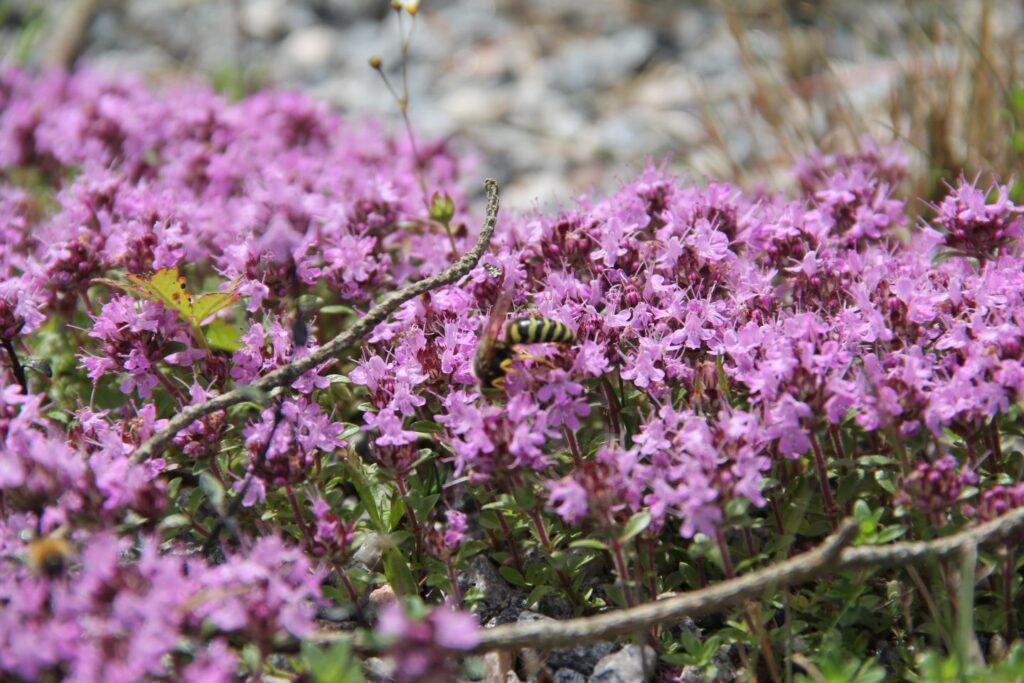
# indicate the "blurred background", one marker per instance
pixel 561 97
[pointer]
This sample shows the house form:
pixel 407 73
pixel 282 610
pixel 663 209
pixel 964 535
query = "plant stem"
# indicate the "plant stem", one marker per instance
pixel 16 367
pixel 456 591
pixel 299 518
pixel 545 540
pixel 516 559
pixel 826 493
pixel 413 522
pixel 622 569
pixel 574 447
pixel 613 408
pixel 723 549
pixel 1011 615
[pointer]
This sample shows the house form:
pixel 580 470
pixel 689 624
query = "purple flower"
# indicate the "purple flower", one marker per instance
pixel 422 648
pixel 568 499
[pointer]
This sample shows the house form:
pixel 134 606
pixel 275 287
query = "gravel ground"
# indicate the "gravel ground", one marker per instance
pixel 558 96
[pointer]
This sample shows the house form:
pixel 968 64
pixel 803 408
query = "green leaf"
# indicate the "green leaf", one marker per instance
pixel 336 308
pixel 636 524
pixel 223 336
pixel 398 573
pixel 426 427
pixel 422 505
pixel 213 489
pixel 512 575
pixel 166 286
pixel 396 512
pixel 206 305
pixel 332 664
pixel 525 497
pixel 369 503
pixel 591 543
pixel 537 594
pixel 173 522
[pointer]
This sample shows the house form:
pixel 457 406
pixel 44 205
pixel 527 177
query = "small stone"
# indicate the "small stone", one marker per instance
pixel 585 63
pixel 264 19
pixel 568 676
pixel 626 666
pixel 310 47
pixel 382 595
pixel 483 577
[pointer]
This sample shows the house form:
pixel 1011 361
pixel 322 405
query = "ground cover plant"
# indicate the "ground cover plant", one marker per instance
pixel 746 370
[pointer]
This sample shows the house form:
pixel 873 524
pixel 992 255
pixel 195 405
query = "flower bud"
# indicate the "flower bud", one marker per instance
pixel 442 208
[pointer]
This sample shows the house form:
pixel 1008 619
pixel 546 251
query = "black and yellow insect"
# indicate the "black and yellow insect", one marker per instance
pixel 494 356
pixel 49 556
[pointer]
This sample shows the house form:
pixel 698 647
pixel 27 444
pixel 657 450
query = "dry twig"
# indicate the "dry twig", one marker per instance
pixel 831 556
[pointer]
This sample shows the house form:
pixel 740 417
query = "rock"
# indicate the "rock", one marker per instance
pixel 377 669
pixel 496 595
pixel 382 596
pixel 264 19
pixel 568 676
pixel 349 10
pixel 582 658
pixel 586 63
pixel 626 666
pixel 116 62
pixel 312 47
pixel 497 665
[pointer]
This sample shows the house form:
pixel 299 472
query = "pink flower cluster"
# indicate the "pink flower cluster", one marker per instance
pixel 721 337
pixel 137 614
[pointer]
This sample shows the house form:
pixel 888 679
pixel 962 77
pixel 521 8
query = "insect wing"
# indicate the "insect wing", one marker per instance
pixel 485 351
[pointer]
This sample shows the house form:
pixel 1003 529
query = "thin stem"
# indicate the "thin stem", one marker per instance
pixel 1011 614
pixel 453 579
pixel 652 578
pixel 299 517
pixel 748 541
pixel 516 559
pixel 215 468
pixel 753 614
pixel 777 516
pixel 353 595
pixel 613 408
pixel 16 367
pixel 574 448
pixel 997 448
pixel 166 383
pixel 826 492
pixel 897 443
pixel 413 521
pixel 723 549
pixel 545 540
pixel 933 608
pixel 542 533
pixel 622 569
pixel 89 306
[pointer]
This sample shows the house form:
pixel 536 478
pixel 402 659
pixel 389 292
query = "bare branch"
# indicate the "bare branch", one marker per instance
pixel 547 634
pixel 831 556
pixel 286 374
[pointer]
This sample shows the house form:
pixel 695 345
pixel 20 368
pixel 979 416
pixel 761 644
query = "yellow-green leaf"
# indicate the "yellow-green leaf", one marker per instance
pixel 167 286
pixel 223 336
pixel 205 305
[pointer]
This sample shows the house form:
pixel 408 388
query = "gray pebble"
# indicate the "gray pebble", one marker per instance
pixel 626 666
